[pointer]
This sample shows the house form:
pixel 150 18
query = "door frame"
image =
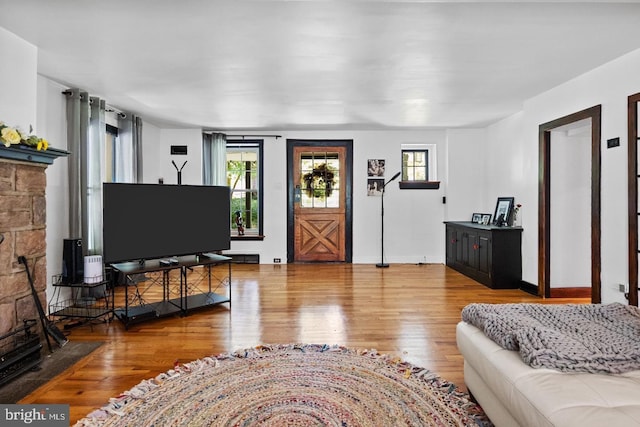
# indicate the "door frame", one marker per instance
pixel 632 187
pixel 544 199
pixel 348 188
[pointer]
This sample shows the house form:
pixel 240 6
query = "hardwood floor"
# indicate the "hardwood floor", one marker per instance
pixel 406 310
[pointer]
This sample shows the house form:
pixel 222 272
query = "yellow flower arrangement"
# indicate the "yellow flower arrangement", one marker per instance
pixel 13 136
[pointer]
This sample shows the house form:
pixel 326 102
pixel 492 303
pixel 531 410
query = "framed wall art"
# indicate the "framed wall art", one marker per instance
pixel 375 167
pixel 374 186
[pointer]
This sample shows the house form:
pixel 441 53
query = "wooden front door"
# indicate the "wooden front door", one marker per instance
pixel 319 180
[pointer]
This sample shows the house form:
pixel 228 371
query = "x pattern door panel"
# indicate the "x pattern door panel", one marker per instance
pixel 320 238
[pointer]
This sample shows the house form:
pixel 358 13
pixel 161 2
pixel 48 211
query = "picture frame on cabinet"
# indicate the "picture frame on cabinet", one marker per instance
pixel 503 212
pixel 476 218
pixel 486 219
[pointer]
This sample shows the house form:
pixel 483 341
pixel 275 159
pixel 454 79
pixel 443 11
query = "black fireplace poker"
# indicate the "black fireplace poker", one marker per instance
pixel 48 327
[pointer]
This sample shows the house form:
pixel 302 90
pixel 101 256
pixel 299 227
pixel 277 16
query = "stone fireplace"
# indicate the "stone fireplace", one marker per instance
pixel 23 227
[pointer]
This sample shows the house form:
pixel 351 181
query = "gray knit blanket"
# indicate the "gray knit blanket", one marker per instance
pixel 596 338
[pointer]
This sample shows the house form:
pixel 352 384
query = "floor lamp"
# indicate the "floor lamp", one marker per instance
pixel 382 264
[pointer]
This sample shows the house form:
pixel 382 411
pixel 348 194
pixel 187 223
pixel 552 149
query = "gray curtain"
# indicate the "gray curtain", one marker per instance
pixel 85 142
pixel 77 139
pixel 214 159
pixel 86 130
pixel 129 153
pixel 95 176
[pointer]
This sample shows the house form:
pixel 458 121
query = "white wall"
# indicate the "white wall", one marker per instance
pixel 28 99
pixel 410 234
pixel 516 139
pixel 18 76
pixel 152 151
pixel 192 170
pixel 157 157
pixel 464 176
pixel 52 124
pixel 512 170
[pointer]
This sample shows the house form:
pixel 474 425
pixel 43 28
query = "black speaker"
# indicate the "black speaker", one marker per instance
pixel 72 261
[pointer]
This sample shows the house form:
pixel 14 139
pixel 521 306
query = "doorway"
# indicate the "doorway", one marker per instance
pixel 319 201
pixel 545 224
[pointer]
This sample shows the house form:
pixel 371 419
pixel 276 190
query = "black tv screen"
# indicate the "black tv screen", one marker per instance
pixel 149 221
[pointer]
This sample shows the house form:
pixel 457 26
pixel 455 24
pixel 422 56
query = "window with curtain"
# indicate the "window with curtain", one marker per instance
pixel 94 153
pixel 119 162
pixel 111 143
pixel 97 154
pixel 244 178
pixel 126 149
pixel 109 160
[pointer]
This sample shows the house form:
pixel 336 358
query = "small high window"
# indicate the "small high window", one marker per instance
pixel 419 167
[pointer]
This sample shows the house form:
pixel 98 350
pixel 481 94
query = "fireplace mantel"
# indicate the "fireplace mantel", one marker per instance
pixel 30 154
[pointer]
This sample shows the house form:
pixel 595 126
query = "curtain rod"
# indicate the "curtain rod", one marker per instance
pixel 119 113
pixel 246 136
pixel 254 136
pixel 108 108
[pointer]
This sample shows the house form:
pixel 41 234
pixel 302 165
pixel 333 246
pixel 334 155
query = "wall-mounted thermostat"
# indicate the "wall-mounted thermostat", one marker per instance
pixel 179 149
pixel 613 142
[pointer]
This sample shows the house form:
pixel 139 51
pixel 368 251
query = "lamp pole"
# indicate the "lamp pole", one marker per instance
pixel 382 264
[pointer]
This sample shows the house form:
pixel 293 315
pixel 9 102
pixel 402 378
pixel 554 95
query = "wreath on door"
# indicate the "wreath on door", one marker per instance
pixel 319 182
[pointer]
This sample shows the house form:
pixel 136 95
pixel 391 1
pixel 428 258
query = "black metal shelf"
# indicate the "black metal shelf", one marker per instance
pixel 81 304
pixel 204 290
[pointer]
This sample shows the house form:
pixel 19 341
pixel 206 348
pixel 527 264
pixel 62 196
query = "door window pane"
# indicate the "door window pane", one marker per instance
pixel 319 180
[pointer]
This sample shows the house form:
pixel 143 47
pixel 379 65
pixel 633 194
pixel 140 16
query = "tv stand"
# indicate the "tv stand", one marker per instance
pixel 190 283
pixel 210 255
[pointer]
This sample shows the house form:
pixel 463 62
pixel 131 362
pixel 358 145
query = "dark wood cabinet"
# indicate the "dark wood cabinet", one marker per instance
pixel 491 255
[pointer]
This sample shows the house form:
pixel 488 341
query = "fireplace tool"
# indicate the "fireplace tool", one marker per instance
pixel 49 328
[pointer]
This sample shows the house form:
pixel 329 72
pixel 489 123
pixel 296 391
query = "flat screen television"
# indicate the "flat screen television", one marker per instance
pixel 150 221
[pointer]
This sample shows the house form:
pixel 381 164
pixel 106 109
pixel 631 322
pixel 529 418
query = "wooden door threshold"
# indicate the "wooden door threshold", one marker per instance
pixel 570 292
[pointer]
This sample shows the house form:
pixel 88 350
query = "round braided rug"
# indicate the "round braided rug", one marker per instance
pixel 293 385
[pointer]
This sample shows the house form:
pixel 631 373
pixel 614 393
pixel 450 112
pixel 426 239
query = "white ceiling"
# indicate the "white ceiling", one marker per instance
pixel 352 64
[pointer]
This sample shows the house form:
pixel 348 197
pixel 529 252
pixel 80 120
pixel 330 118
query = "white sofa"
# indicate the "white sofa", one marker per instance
pixel 514 394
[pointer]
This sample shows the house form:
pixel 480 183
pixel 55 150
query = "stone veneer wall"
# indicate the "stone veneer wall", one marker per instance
pixel 23 224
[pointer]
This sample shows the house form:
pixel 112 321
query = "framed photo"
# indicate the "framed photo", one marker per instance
pixel 486 219
pixel 374 187
pixel 375 167
pixel 476 218
pixel 504 209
